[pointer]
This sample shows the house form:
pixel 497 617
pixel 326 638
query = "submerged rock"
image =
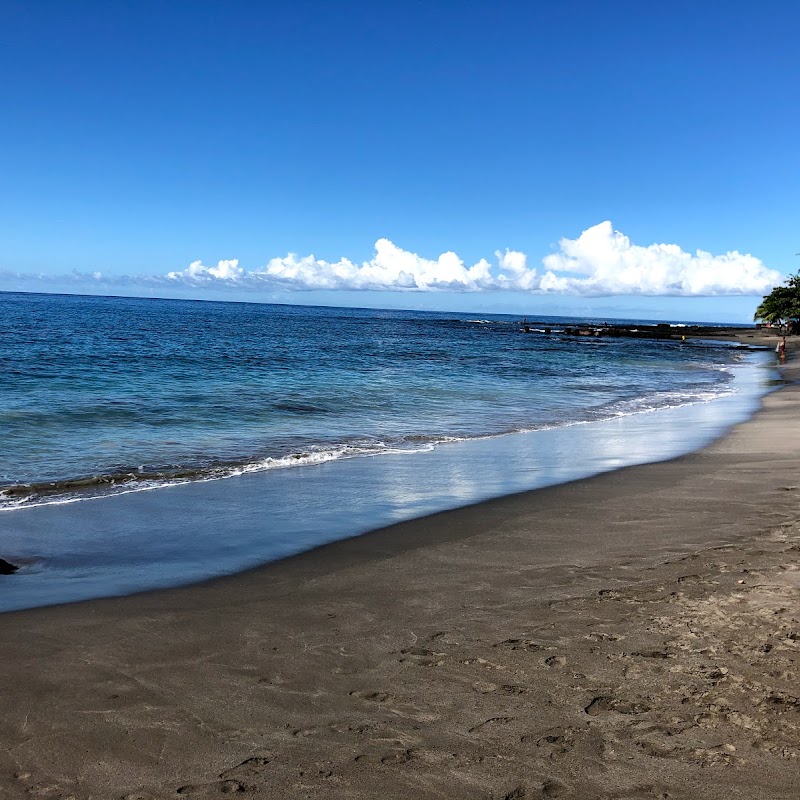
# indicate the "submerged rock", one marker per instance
pixel 7 568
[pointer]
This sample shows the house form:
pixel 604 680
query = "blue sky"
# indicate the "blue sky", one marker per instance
pixel 139 138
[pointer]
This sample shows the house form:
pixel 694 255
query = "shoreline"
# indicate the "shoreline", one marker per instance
pixel 139 541
pixel 23 495
pixel 534 645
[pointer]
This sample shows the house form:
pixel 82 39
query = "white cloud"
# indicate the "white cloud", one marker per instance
pixel 600 262
pixel 391 268
pixel 197 273
pixel 609 264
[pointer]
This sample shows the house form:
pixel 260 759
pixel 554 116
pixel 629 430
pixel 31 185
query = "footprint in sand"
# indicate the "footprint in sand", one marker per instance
pixel 303 732
pixel 249 776
pixel 555 744
pixel 631 707
pixel 212 789
pixel 373 697
pixel 422 657
pixel 359 728
pixel 491 721
pixel 560 742
pixel 693 578
pixel 419 651
pixel 510 689
pixel 651 654
pixel 780 702
pixel 598 705
pixel 553 788
pixel 647 728
pixel 646 792
pixel 522 644
pixel 599 636
pixel 443 636
pixel 399 757
pixel 550 788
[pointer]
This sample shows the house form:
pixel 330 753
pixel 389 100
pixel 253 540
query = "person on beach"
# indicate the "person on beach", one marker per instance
pixel 780 349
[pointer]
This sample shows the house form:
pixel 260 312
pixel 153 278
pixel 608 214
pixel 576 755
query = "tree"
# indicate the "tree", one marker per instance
pixel 782 304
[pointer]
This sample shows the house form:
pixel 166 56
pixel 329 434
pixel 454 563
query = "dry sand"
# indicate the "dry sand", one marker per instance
pixel 634 635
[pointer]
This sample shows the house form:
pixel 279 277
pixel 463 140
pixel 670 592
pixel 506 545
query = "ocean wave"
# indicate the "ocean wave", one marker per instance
pixel 671 399
pixel 25 495
pixel 69 490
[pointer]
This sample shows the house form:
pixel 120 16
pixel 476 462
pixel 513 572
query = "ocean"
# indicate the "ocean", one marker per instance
pixel 117 412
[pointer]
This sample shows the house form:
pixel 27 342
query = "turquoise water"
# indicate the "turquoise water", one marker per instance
pixel 147 444
pixel 101 394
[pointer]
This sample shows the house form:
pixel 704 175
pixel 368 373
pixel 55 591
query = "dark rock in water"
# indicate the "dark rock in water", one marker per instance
pixel 7 568
pixel 658 330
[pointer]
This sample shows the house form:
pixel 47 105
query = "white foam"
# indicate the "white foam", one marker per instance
pixel 315 457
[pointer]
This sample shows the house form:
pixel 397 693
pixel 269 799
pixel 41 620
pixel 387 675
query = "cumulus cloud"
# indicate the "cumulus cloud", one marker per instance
pixel 196 272
pixel 390 268
pixel 600 262
pixel 609 264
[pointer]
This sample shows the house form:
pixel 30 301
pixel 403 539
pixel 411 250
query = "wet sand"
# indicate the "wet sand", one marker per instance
pixel 633 635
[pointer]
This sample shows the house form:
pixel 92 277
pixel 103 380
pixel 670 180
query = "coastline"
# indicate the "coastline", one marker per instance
pixel 170 536
pixel 534 645
pixel 140 440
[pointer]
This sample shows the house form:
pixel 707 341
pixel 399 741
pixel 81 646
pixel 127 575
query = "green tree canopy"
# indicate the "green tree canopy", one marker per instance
pixel 782 303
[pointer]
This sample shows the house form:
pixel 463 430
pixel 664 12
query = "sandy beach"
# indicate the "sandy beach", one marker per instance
pixel 632 635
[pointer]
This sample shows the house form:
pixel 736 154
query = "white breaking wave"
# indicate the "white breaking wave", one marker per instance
pixel 639 405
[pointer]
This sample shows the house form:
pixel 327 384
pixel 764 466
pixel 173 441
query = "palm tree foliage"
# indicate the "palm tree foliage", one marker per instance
pixel 782 303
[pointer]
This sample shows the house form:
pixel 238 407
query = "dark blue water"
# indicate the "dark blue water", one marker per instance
pixel 103 394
